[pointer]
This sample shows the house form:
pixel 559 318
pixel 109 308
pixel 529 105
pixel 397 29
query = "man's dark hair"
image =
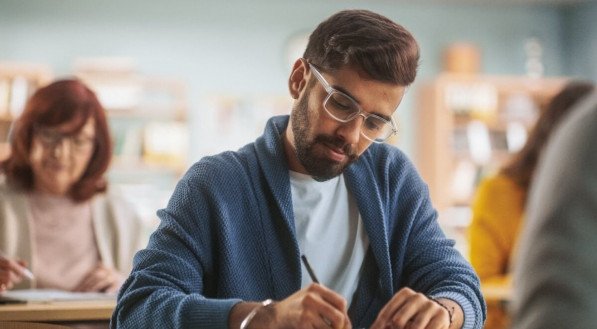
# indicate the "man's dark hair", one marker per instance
pixel 385 50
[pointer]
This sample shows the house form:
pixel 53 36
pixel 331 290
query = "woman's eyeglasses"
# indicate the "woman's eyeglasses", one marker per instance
pixel 50 138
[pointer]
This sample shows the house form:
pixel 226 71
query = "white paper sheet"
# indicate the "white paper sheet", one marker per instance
pixel 51 295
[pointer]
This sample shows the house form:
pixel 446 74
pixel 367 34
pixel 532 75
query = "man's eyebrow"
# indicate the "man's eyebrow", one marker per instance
pixel 347 93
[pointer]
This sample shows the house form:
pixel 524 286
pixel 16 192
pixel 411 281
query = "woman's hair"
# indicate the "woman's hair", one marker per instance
pixel 63 101
pixel 385 50
pixel 522 166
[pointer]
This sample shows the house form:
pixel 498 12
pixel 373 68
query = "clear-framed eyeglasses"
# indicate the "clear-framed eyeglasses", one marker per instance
pixel 344 108
pixel 50 139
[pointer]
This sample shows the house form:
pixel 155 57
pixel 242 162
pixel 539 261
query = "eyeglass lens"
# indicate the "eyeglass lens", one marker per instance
pixel 52 138
pixel 343 108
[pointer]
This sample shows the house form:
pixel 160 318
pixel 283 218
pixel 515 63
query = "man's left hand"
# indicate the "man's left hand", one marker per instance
pixel 409 309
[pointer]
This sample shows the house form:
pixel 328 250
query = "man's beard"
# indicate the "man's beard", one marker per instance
pixel 318 166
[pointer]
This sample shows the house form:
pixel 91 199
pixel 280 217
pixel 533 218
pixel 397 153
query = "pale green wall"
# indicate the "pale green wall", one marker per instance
pixel 238 47
pixel 580 40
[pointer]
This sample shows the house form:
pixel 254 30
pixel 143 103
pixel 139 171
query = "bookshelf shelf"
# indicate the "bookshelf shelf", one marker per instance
pixel 468 125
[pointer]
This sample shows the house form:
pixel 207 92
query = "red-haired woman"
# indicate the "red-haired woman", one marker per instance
pixel 56 218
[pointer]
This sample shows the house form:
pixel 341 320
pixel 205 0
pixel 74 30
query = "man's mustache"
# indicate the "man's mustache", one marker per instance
pixel 337 143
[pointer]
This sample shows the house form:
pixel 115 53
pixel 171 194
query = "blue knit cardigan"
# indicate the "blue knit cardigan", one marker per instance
pixel 228 235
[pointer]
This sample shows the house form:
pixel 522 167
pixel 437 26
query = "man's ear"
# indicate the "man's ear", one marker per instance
pixel 297 80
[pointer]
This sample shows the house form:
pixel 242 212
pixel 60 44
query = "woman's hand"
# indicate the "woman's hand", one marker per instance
pixel 11 273
pixel 101 279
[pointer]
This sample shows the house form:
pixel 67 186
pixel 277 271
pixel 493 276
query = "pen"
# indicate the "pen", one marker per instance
pixel 314 279
pixel 25 271
pixel 309 269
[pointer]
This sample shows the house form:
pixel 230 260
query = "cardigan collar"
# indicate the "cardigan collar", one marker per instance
pixel 361 180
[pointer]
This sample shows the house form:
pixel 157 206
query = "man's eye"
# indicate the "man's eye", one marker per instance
pixel 373 125
pixel 341 103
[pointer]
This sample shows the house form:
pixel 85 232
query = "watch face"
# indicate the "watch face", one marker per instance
pixel 295 47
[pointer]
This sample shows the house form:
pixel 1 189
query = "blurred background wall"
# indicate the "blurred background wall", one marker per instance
pixel 240 47
pixel 226 63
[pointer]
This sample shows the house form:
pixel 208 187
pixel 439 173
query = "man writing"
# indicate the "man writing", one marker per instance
pixel 320 183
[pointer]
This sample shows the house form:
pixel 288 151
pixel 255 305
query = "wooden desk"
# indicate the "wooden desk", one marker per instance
pixel 58 311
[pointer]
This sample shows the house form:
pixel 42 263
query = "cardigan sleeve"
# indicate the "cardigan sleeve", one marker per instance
pixel 165 287
pixel 431 264
pixel 435 267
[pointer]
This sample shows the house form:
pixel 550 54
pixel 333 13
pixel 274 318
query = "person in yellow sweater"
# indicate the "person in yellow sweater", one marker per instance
pixel 499 203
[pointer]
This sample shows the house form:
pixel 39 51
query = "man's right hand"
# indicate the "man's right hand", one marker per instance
pixel 312 307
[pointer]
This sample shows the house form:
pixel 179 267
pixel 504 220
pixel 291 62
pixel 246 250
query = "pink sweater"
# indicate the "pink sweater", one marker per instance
pixel 64 243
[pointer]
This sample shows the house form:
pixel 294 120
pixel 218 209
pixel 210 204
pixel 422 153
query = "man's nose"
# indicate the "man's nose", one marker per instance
pixel 351 131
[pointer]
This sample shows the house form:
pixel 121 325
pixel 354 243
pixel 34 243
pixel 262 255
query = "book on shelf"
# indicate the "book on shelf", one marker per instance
pixel 4 98
pixel 118 96
pixel 464 180
pixel 516 136
pixel 19 92
pixel 165 143
pixel 479 142
pixel 13 96
pixel 477 100
pixel 128 146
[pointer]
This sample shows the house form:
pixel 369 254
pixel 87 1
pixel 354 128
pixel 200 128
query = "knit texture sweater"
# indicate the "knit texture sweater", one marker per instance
pixel 228 235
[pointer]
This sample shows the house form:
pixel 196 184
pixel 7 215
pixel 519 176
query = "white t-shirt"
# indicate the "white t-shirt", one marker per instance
pixel 330 232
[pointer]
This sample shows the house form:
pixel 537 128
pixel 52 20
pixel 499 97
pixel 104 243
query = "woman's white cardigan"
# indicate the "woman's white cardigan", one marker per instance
pixel 118 230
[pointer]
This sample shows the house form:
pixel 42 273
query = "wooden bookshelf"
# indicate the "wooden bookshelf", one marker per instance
pixel 139 107
pixel 466 125
pixel 18 80
pixel 148 118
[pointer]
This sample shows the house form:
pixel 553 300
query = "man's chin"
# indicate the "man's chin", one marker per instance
pixel 321 165
pixel 326 170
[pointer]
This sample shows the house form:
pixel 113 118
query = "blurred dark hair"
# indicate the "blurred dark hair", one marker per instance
pixel 385 50
pixel 522 166
pixel 63 101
